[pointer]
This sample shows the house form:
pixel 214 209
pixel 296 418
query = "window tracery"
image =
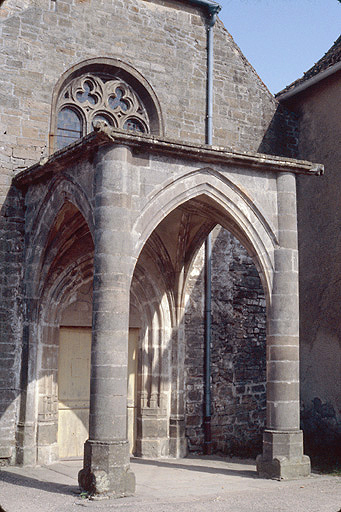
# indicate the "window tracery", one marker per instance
pixel 90 98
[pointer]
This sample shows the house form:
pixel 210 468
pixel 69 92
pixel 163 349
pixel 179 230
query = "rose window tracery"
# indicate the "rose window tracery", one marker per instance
pixel 90 98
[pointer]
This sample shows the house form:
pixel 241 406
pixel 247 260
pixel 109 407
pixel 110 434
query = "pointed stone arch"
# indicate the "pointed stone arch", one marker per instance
pixel 62 191
pixel 59 263
pixel 232 208
pixel 211 198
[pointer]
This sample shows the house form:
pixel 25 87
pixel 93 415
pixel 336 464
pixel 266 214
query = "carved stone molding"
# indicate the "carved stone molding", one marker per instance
pixel 89 99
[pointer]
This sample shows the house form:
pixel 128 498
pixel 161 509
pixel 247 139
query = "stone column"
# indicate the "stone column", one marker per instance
pixel 282 456
pixel 177 425
pixel 106 453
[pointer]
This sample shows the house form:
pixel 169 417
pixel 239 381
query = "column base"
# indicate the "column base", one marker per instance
pixel 281 468
pixel 282 457
pixel 26 448
pixel 106 471
pixel 152 434
pixel 177 439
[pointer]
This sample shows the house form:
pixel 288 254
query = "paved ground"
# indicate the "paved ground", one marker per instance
pixel 195 484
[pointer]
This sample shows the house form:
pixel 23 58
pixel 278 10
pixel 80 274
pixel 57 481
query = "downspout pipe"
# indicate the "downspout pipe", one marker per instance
pixel 213 9
pixel 207 347
pixel 210 6
pixel 210 43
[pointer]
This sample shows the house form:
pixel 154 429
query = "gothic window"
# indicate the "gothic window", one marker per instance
pixel 94 97
pixel 69 127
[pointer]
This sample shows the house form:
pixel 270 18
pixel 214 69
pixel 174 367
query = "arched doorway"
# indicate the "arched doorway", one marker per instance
pixel 65 344
pixel 167 259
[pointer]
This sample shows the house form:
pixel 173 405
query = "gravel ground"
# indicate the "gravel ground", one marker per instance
pixel 193 484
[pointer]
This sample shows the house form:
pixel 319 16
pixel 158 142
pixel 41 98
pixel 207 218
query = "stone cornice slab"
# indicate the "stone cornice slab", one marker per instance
pixel 84 148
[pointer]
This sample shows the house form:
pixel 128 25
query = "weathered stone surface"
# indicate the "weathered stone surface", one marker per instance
pixel 106 469
pixel 281 468
pixel 319 221
pixel 238 351
pixel 126 213
pixel 241 100
pixel 168 241
pixel 282 457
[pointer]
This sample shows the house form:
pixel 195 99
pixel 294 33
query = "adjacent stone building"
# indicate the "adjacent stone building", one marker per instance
pixel 316 101
pixel 113 173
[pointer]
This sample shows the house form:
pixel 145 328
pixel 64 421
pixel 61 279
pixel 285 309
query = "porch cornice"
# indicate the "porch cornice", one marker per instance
pixel 84 148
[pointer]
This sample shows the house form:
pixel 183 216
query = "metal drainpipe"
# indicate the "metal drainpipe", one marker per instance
pixel 213 9
pixel 207 362
pixel 208 248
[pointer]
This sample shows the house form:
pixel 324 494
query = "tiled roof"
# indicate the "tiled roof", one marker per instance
pixel 333 56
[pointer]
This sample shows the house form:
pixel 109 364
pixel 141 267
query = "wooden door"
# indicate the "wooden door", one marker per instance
pixel 73 390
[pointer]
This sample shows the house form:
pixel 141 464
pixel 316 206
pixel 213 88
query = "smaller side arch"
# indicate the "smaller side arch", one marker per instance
pixel 61 191
pixel 59 260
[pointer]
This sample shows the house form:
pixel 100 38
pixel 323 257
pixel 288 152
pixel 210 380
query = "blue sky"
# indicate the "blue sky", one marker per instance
pixel 282 38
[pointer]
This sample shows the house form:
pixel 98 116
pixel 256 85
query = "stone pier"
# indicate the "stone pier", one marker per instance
pixel 106 454
pixel 282 456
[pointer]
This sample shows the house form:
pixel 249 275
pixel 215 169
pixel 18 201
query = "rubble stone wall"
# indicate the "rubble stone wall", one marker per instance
pixel 237 353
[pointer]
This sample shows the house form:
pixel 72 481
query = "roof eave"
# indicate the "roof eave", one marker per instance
pixel 308 83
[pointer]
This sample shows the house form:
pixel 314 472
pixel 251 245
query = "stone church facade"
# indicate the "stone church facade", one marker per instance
pixel 109 190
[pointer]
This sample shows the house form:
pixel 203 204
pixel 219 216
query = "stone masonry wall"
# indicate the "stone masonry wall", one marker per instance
pixel 165 41
pixel 42 40
pixel 319 221
pixel 11 304
pixel 237 354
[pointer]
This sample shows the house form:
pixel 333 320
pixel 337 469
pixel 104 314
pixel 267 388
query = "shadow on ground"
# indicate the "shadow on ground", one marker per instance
pixel 202 465
pixel 25 481
pixel 203 469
